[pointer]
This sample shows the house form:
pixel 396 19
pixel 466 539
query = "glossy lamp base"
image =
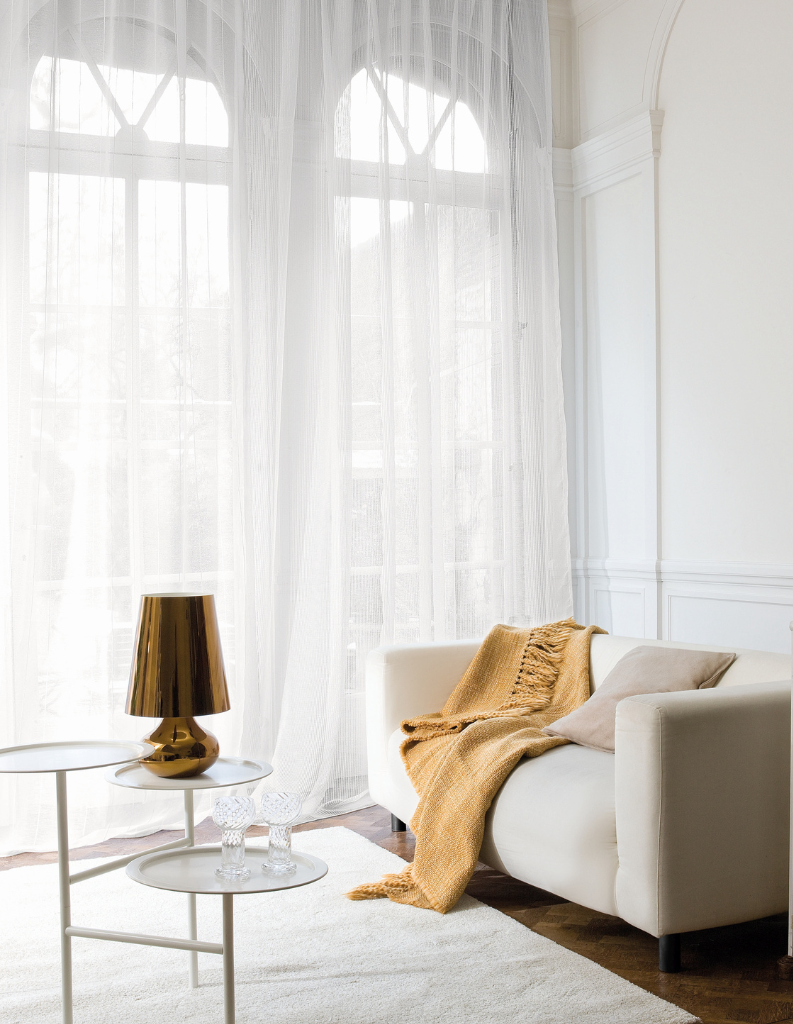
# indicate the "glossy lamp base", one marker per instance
pixel 182 748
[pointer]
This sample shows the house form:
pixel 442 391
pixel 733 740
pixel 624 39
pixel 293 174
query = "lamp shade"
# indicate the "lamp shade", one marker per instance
pixel 177 663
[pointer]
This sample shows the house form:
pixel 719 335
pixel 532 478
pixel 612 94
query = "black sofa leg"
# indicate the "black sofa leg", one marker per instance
pixel 669 953
pixel 397 825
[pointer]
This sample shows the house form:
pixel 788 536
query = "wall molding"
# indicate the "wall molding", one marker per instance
pixel 561 80
pixel 658 47
pixel 563 170
pixel 628 151
pixel 616 151
pixel 754 574
pixel 586 13
pixel 741 604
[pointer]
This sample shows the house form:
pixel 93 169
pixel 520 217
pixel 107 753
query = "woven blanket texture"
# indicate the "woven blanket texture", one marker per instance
pixel 519 681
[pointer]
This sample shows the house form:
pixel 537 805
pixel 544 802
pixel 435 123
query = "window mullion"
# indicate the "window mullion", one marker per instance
pixel 439 126
pixel 155 99
pixel 100 81
pixel 392 114
pixel 184 348
pixel 133 383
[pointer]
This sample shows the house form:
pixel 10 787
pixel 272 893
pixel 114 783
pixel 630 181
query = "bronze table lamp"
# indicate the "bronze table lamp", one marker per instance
pixel 177 672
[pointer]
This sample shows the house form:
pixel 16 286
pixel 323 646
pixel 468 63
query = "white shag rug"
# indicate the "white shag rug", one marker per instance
pixel 304 955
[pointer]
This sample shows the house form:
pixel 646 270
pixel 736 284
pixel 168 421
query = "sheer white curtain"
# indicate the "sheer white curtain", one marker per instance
pixel 280 321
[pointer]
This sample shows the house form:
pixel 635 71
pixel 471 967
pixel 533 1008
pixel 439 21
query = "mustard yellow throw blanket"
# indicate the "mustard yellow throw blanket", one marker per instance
pixel 519 681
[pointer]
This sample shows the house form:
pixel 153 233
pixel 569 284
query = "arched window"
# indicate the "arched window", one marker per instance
pixel 127 166
pixel 85 98
pixel 419 125
pixel 427 419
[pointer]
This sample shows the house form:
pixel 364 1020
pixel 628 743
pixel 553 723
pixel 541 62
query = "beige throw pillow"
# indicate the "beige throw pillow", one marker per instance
pixel 642 670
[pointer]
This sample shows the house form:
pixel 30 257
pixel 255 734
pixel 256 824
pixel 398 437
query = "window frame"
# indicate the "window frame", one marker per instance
pixel 131 157
pixel 415 181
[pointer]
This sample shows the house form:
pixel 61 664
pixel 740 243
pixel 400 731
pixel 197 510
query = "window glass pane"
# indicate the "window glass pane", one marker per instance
pixel 162 124
pixel 159 243
pixel 207 245
pixel 206 121
pixel 78 376
pixel 185 366
pixel 365 218
pixel 366 111
pixel 65 97
pixel 76 239
pixel 371 260
pixel 466 387
pixel 186 507
pixel 460 145
pixel 469 264
pixel 81 490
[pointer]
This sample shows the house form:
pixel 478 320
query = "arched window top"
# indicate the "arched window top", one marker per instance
pixel 418 124
pixel 81 97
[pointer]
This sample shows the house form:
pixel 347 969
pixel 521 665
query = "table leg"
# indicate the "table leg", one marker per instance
pixel 228 958
pixel 64 887
pixel 192 922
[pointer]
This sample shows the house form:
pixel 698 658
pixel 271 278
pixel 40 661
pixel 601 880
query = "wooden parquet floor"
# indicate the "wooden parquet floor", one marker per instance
pixel 728 976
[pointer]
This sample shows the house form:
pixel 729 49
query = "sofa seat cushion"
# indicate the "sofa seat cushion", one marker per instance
pixel 552 823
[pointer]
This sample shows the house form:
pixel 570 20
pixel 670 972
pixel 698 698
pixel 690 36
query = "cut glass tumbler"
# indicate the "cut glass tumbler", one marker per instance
pixel 233 815
pixel 279 812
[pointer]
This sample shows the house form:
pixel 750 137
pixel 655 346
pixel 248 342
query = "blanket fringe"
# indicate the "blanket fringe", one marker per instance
pixel 539 665
pixel 388 884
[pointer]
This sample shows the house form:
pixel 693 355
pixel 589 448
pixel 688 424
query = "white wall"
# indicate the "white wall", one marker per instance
pixel 678 241
pixel 726 264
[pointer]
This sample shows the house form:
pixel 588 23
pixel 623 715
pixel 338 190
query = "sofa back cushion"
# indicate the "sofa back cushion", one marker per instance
pixel 644 669
pixel 749 666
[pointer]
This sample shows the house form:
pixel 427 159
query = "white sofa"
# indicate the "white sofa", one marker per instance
pixel 684 827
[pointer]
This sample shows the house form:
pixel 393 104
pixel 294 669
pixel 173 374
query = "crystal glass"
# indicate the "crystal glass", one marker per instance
pixel 279 812
pixel 233 815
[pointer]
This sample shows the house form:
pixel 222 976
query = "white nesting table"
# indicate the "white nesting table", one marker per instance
pixel 193 871
pixel 82 755
pixel 226 771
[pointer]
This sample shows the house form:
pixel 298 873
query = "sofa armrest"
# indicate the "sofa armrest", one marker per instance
pixel 402 681
pixel 702 804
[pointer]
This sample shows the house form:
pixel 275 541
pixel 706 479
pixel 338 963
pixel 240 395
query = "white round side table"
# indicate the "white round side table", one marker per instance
pixel 193 871
pixel 62 758
pixel 225 772
pixel 80 755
